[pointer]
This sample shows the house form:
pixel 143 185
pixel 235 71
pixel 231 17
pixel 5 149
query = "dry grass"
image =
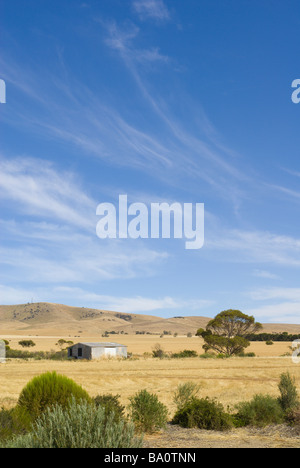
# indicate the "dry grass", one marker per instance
pixel 229 380
pixel 140 344
pixel 280 436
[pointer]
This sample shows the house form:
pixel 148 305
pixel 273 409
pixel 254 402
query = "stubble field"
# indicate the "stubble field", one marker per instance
pixel 229 380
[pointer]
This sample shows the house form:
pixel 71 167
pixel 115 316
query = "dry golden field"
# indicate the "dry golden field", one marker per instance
pixel 140 344
pixel 230 380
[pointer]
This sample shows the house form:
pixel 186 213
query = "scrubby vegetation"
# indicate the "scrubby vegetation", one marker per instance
pixel 147 412
pixel 47 390
pixel 203 413
pixel 61 355
pixel 55 412
pixel 261 411
pixel 288 400
pixel 80 425
pixel 185 393
pixel 111 404
pixel 284 336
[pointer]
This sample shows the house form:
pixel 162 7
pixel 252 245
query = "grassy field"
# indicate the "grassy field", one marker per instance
pixel 140 344
pixel 229 380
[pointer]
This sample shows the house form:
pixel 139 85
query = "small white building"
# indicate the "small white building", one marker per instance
pixel 97 350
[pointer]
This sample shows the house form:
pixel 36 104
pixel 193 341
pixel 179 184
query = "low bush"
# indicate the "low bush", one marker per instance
pixel 186 353
pixel 261 411
pixel 147 412
pixel 158 352
pixel 207 356
pixel 111 404
pixel 203 413
pixel 185 393
pixel 47 390
pixel 13 422
pixel 80 425
pixel 288 400
pixel 37 355
pixel 243 354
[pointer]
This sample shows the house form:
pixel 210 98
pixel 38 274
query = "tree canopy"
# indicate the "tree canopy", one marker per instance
pixel 227 332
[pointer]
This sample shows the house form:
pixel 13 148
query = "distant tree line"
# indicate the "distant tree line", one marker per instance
pixel 284 336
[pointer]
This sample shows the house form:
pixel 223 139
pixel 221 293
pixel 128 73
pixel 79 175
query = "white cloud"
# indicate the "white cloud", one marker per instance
pixel 136 304
pixel 75 258
pixel 285 312
pixel 265 274
pixel 254 246
pixel 283 304
pixel 79 296
pixel 13 295
pixel 290 294
pixel 37 189
pixel 57 242
pixel 151 9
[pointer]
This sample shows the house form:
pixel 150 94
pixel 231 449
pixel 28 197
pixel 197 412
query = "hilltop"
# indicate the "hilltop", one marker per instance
pixel 48 319
pixel 51 319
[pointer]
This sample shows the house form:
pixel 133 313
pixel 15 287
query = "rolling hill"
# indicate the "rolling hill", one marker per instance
pixel 53 319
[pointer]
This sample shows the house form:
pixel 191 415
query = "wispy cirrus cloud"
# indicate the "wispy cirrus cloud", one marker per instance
pixel 283 304
pixel 39 189
pixel 285 312
pixel 151 9
pixel 291 294
pixel 265 274
pixel 77 295
pixel 134 304
pixel 253 246
pixel 55 222
pixel 76 115
pixel 122 40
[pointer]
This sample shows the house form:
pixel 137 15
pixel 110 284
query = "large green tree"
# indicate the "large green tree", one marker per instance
pixel 227 332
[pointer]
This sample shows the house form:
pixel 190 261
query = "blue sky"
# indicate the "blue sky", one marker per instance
pixel 162 100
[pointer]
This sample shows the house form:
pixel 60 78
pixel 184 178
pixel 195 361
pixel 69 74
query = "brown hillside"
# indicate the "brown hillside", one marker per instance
pixel 51 319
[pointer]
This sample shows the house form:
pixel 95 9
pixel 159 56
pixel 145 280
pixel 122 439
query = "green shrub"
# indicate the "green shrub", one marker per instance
pixel 288 399
pixel 203 413
pixel 13 422
pixel 186 353
pixel 80 425
pixel 185 393
pixel 47 390
pixel 27 343
pixel 207 356
pixel 147 412
pixel 111 404
pixel 38 355
pixel 158 352
pixel 243 354
pixel 261 411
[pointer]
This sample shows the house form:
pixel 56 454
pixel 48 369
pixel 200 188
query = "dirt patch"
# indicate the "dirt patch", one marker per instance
pixel 280 436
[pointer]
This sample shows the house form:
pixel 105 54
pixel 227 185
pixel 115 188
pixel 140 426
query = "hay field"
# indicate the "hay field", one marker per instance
pixel 229 380
pixel 140 344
